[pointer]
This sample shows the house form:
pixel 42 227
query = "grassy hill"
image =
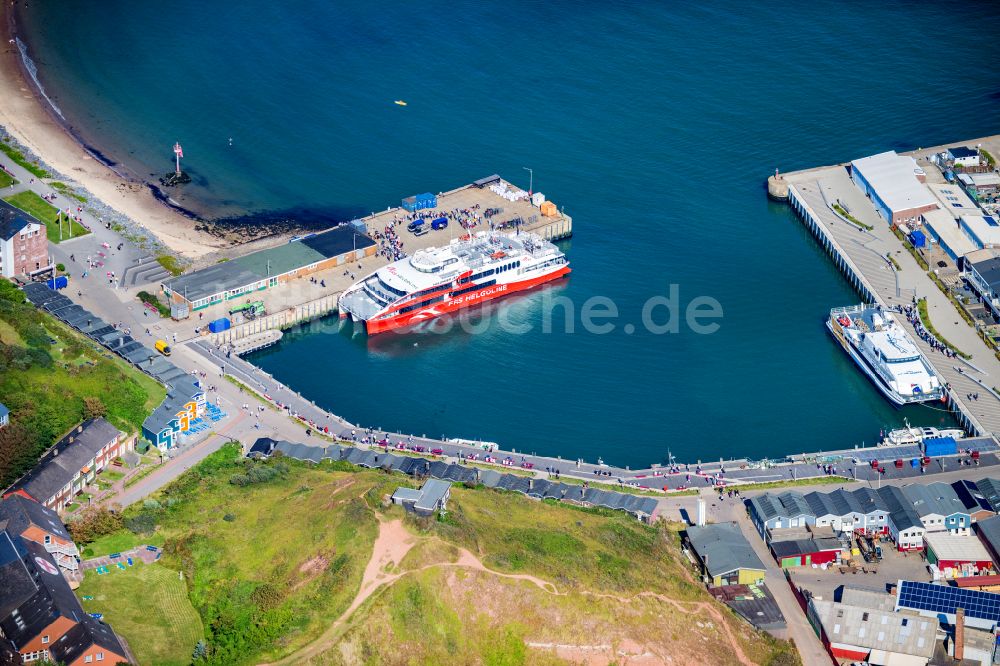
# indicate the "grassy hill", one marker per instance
pixel 51 378
pixel 273 554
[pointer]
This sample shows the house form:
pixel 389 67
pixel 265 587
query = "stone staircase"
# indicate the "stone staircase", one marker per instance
pixel 147 271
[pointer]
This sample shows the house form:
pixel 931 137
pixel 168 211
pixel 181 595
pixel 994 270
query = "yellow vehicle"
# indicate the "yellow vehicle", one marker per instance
pixel 162 347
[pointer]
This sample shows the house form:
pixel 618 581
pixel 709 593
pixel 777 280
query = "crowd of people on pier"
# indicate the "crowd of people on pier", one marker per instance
pixel 390 245
pixel 912 316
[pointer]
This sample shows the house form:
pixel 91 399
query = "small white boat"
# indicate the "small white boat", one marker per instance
pixel 400 102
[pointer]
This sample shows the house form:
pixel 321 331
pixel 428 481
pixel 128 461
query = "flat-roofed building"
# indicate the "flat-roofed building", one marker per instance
pixel 944 230
pixel 954 199
pixel 872 635
pixel 982 230
pixel 895 185
pixel 267 268
pixel 956 555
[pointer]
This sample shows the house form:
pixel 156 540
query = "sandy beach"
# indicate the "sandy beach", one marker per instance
pixel 25 116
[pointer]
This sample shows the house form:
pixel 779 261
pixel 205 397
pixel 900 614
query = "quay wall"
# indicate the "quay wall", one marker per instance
pixel 860 283
pixel 279 320
pixel 829 243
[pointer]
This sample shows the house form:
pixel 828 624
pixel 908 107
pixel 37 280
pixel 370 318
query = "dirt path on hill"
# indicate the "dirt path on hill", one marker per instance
pixel 394 542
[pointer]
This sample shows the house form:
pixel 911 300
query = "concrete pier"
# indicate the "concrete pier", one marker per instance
pixel 863 256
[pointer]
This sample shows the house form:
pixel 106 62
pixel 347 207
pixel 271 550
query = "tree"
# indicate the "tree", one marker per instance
pixel 93 407
pixel 94 523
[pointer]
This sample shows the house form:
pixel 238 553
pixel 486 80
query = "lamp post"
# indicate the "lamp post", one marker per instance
pixel 531 180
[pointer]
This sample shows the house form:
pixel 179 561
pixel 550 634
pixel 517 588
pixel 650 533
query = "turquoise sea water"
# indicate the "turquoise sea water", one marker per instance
pixel 654 124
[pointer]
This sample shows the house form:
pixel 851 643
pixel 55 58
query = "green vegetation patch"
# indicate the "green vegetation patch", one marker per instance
pixel 44 212
pixel 34 168
pixel 6 180
pixel 171 263
pixel 148 605
pixel 51 378
pixel 68 191
pixel 151 299
pixel 850 218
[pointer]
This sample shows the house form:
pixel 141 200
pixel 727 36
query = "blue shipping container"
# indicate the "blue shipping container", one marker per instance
pixel 918 238
pixel 410 204
pixel 60 282
pixel 940 446
pixel 219 325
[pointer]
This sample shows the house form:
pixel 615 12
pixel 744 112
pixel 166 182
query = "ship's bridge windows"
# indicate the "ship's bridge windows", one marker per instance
pixel 392 290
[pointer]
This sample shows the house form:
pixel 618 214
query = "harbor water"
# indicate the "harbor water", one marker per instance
pixel 653 124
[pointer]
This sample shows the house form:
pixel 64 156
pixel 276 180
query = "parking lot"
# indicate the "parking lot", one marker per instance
pixel 876 576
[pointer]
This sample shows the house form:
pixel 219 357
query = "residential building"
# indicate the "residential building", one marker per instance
pixel 972 498
pixel 73 463
pixel 962 156
pixel 895 185
pixel 788 509
pixel 988 532
pixel 981 270
pixel 956 555
pixel 40 617
pixel 990 488
pixel 725 555
pixel 432 496
pixel 939 507
pixel 874 508
pixel 26 518
pixel 904 522
pixel 24 247
pixel 871 635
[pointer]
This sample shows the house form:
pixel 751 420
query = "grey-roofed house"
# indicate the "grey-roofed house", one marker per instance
pixel 489 477
pixel 724 554
pixel 990 488
pixel 519 484
pixel 973 499
pixel 939 507
pixel 788 509
pixel 431 497
pixel 32 521
pixel 874 508
pixel 905 525
pixel 574 494
pixel 537 488
pixel 74 462
pixel 555 491
pixel 89 638
pixel 988 531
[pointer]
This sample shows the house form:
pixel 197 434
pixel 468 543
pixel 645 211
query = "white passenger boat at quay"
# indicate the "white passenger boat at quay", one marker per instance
pixel 469 270
pixel 885 353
